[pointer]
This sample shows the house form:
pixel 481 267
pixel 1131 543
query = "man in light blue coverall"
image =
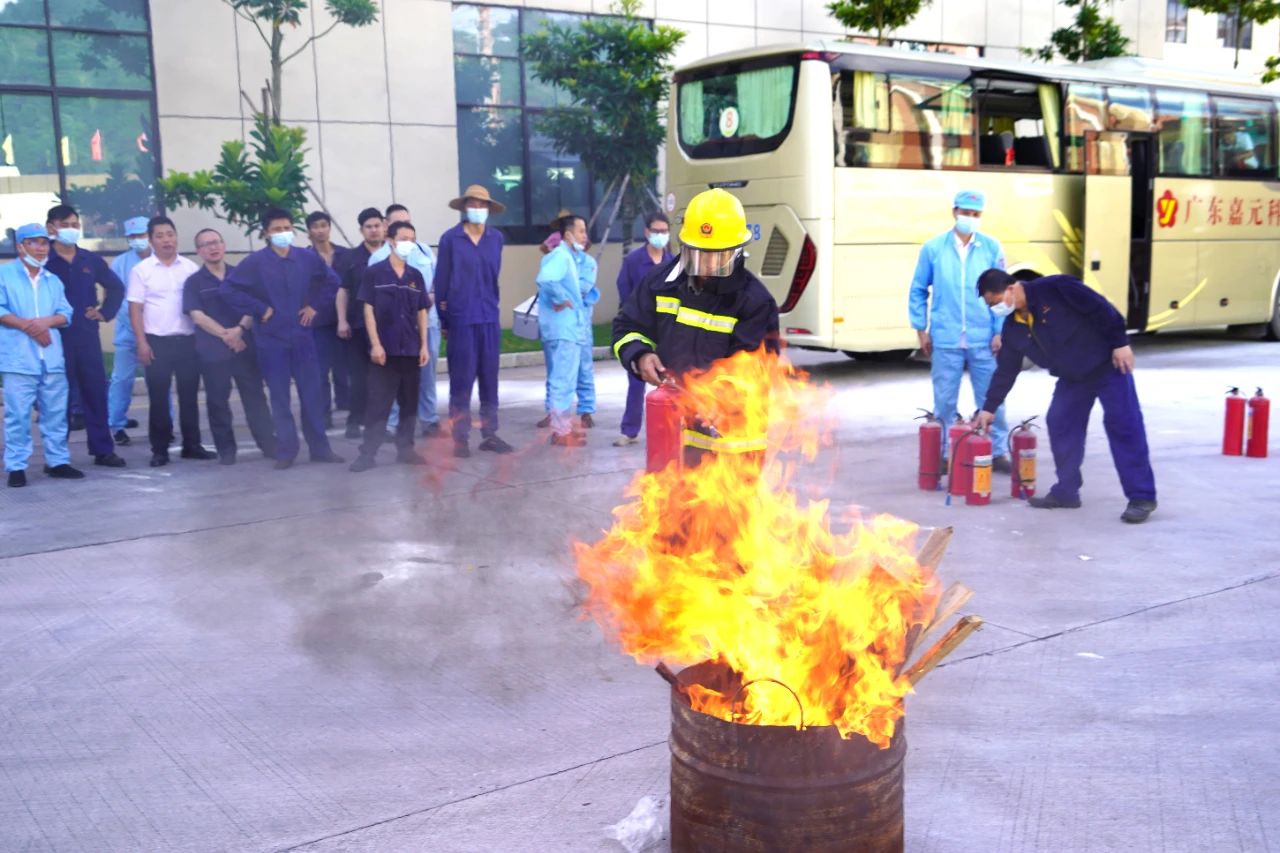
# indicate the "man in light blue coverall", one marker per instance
pixel 33 304
pixel 954 324
pixel 124 369
pixel 566 293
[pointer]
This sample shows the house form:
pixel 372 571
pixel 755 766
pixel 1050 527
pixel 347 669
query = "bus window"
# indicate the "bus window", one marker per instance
pixel 1243 132
pixel 1083 113
pixel 903 121
pixel 731 113
pixel 1128 108
pixel 1182 120
pixel 1012 130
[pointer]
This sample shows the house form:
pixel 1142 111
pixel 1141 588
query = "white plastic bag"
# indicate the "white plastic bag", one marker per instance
pixel 644 827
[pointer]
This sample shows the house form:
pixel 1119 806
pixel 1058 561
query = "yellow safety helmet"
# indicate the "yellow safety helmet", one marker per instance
pixel 714 221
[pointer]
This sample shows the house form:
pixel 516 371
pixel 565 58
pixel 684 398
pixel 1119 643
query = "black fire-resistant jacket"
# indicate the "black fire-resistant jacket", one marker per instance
pixel 689 330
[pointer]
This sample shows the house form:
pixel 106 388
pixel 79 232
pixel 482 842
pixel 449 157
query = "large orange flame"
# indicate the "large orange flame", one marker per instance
pixel 723 562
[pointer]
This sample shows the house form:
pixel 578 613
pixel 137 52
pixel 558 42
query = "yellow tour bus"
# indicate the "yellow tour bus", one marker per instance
pixel 1157 187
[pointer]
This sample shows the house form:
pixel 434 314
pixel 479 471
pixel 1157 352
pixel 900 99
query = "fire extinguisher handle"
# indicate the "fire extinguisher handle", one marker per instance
pixel 1235 392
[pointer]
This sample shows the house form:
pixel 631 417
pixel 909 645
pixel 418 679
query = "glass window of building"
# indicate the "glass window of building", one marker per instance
pixel 1227 32
pixel 77 115
pixel 1175 22
pixel 499 102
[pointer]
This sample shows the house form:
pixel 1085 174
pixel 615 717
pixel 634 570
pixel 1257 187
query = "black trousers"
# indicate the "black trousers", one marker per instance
pixel 397 380
pixel 358 365
pixel 175 356
pixel 242 368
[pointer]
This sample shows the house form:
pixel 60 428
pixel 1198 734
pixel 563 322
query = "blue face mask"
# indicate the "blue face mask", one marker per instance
pixel 282 240
pixel 966 225
pixel 1001 310
pixel 139 244
pixel 477 215
pixel 69 236
pixel 36 263
pixel 659 241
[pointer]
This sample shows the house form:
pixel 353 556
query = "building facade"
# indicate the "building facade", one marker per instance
pixel 99 96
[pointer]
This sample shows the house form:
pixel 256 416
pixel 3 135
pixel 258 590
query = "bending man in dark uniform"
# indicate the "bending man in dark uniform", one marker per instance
pixel 1070 329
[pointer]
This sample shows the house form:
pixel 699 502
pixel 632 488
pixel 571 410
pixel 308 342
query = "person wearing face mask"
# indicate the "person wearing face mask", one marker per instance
pixel 1071 330
pixel 424 261
pixel 32 365
pixel 350 268
pixel 466 288
pixel 124 367
pixel 566 290
pixel 636 267
pixel 955 327
pixel 395 299
pixel 82 273
pixel 702 306
pixel 279 286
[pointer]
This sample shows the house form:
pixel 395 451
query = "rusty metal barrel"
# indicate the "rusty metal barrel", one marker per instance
pixel 741 788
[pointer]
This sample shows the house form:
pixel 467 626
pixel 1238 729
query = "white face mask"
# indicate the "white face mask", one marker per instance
pixel 579 247
pixel 477 215
pixel 69 236
pixel 966 225
pixel 34 263
pixel 1001 310
pixel 139 244
pixel 404 248
pixel 282 240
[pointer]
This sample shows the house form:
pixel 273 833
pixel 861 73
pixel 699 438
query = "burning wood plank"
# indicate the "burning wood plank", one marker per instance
pixel 929 556
pixel 938 651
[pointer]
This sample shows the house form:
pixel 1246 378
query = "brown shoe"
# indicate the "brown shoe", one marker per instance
pixel 587 421
pixel 544 423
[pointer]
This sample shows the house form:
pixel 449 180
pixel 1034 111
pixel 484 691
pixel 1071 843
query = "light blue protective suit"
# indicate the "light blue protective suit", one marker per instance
pixel 124 369
pixel 944 301
pixel 33 375
pixel 424 261
pixel 565 276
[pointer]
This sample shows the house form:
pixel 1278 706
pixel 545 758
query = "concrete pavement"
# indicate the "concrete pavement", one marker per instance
pixel 208 658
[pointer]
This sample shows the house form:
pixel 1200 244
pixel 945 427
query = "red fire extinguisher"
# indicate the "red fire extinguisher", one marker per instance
pixel 664 428
pixel 1022 452
pixel 930 475
pixel 971 469
pixel 956 432
pixel 1259 423
pixel 1233 424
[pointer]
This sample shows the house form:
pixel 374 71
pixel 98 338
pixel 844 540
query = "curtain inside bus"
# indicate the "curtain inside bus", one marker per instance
pixel 1050 110
pixel 736 112
pixel 764 100
pixel 691 115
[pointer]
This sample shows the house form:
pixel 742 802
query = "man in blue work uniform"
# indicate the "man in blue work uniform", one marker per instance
pixel 1078 336
pixel 224 345
pixel 82 272
pixel 124 368
pixel 350 269
pixel 424 261
pixel 636 267
pixel 395 300
pixel 334 384
pixel 466 289
pixel 280 286
pixel 32 305
pixel 566 291
pixel 954 325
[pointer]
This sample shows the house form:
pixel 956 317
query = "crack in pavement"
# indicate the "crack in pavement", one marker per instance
pixel 1078 628
pixel 426 809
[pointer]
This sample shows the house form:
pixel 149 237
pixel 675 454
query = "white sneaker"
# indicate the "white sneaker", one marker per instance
pixel 625 441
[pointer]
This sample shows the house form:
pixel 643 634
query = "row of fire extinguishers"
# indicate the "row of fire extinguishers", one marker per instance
pixel 1245 433
pixel 969 466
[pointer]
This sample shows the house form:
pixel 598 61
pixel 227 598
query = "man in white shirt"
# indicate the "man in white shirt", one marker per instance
pixel 166 342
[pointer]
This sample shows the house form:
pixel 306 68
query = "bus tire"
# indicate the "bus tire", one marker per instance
pixel 880 356
pixel 1273 328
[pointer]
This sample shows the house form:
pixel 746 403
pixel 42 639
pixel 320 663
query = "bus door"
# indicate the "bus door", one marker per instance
pixel 1108 215
pixel 1142 168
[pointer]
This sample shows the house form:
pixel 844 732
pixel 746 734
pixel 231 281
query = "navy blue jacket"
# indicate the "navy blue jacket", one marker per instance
pixel 80 279
pixel 1071 331
pixel 265 280
pixel 466 284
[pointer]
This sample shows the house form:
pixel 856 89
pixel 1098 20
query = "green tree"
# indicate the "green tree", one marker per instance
pixel 1092 36
pixel 1239 12
pixel 271 17
pixel 615 71
pixel 875 16
pixel 268 171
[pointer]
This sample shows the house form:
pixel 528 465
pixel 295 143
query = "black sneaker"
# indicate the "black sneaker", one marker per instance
pixel 283 464
pixel 109 460
pixel 461 450
pixel 131 424
pixel 198 453
pixel 159 460
pixel 1001 464
pixel 122 438
pixel 17 479
pixel 410 457
pixel 75 423
pixel 362 463
pixel 328 457
pixel 1138 511
pixel 1051 501
pixel 544 423
pixel 64 472
pixel 493 444
pixel 588 422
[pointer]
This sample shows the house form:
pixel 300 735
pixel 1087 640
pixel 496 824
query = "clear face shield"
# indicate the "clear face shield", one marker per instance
pixel 710 263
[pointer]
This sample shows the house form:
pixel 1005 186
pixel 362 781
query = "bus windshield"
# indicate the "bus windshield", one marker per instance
pixel 736 111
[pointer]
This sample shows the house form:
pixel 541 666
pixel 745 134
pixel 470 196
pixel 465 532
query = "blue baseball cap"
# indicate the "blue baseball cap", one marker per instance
pixel 136 225
pixel 26 232
pixel 969 200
